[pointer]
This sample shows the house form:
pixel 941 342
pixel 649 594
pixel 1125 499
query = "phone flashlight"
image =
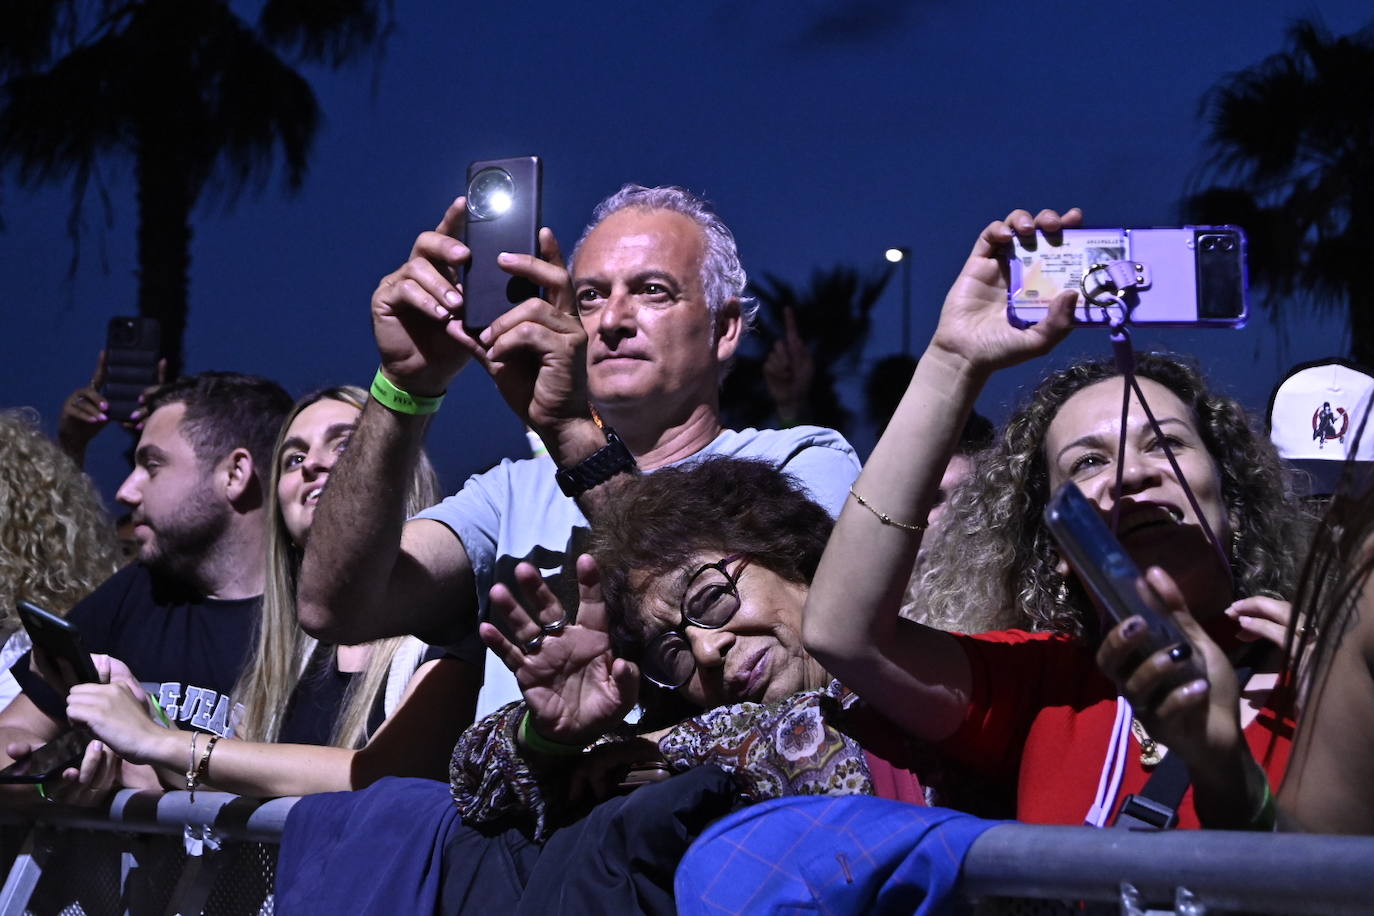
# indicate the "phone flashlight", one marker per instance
pixel 490 193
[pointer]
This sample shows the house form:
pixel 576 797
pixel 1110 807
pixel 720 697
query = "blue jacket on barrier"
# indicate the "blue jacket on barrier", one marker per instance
pixel 827 855
pixel 399 846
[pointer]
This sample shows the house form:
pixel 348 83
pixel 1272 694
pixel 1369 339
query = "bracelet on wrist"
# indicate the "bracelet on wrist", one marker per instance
pixel 884 517
pixel 1266 813
pixel 541 745
pixel 385 392
pixel 157 713
pixel 191 767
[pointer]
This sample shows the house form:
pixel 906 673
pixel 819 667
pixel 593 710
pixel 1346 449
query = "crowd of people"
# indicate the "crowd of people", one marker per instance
pixel 580 661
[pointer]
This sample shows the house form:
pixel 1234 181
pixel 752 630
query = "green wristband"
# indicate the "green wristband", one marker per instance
pixel 386 393
pixel 1266 814
pixel 541 745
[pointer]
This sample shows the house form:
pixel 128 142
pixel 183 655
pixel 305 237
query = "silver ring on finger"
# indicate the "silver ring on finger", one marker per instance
pixel 557 625
pixel 532 645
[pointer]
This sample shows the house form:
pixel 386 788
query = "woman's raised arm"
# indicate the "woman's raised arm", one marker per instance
pixel 913 674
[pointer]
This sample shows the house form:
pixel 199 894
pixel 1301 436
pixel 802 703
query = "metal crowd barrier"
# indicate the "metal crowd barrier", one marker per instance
pixel 1197 871
pixel 146 852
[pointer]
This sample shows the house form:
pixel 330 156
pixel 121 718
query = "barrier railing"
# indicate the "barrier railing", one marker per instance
pixel 1279 873
pixel 171 855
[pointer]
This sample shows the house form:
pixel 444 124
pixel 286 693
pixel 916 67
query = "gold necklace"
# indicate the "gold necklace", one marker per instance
pixel 1150 754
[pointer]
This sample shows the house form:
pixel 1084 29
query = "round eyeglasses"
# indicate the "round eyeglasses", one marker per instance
pixel 710 599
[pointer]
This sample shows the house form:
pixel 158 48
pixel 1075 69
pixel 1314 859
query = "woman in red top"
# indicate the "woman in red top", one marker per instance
pixel 1042 709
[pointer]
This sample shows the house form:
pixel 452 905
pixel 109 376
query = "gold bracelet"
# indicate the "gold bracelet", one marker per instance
pixel 883 516
pixel 203 770
pixel 191 767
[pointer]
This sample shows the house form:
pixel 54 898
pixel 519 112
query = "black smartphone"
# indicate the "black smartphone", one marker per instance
pixel 1107 570
pixel 132 349
pixel 503 198
pixel 48 761
pixel 60 641
pixel 1189 276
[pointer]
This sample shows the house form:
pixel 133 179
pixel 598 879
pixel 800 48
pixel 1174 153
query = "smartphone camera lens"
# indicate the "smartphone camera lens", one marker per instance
pixel 1217 243
pixel 490 193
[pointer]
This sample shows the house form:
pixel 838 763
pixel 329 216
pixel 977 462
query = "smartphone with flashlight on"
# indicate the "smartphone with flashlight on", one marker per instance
pixel 1108 571
pixel 1193 276
pixel 503 199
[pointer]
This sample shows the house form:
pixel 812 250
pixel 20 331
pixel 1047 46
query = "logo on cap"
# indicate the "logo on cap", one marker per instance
pixel 1324 424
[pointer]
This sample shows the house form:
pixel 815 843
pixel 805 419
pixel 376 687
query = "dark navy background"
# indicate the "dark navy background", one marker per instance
pixel 825 130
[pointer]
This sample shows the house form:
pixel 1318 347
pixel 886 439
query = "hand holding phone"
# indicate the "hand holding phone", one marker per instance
pixel 503 213
pixel 60 642
pixel 47 762
pixel 132 357
pixel 1109 573
pixel 1193 276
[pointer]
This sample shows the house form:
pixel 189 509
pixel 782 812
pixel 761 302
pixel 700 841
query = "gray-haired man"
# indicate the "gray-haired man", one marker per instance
pixel 634 337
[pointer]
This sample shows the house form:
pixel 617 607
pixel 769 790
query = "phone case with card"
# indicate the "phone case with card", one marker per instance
pixel 1193 276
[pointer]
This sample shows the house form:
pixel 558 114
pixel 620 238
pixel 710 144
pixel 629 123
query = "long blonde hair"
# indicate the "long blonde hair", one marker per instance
pixel 283 650
pixel 57 542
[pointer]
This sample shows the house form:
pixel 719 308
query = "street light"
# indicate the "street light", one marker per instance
pixel 902 255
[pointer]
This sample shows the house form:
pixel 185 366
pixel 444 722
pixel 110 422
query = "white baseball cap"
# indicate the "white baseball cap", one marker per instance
pixel 1316 415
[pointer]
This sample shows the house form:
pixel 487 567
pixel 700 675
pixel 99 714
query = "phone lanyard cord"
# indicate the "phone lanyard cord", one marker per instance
pixel 1125 364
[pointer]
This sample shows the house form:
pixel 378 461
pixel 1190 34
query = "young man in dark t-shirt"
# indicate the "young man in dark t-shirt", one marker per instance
pixel 182 618
pixel 192 648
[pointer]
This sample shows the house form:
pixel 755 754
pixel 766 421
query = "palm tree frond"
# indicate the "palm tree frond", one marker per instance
pixel 332 32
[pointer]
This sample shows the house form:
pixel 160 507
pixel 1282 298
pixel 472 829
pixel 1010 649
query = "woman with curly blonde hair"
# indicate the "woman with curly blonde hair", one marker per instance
pixel 1069 714
pixel 57 542
pixel 993 522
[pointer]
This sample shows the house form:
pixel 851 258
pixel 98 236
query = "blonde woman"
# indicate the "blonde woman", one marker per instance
pixel 315 718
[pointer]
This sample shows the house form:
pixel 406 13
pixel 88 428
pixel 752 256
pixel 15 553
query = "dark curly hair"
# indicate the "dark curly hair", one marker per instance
pixel 994 565
pixel 657 523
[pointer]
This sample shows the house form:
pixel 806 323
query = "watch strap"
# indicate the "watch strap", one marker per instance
pixel 611 459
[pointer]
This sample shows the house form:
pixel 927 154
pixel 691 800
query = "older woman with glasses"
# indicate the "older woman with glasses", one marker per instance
pixel 689 607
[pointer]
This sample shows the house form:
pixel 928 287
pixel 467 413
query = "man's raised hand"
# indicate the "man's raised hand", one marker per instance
pixel 537 351
pixel 417 310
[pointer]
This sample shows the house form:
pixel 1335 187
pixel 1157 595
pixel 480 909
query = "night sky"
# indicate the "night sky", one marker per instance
pixel 825 131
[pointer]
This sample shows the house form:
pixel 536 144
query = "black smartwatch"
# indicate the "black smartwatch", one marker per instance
pixel 611 459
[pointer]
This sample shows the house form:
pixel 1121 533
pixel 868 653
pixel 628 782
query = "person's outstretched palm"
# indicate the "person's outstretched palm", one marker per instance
pixel 574 686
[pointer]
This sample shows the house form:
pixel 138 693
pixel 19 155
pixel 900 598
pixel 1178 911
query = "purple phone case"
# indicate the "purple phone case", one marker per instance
pixel 1172 298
